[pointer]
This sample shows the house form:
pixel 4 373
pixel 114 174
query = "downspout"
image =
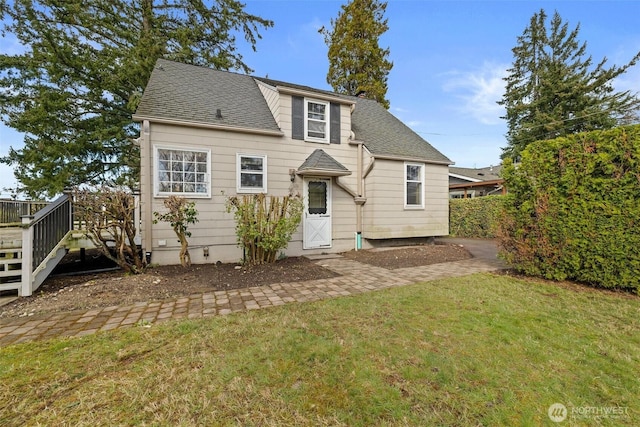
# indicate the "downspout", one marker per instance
pixel 360 190
pixel 147 190
pixel 359 199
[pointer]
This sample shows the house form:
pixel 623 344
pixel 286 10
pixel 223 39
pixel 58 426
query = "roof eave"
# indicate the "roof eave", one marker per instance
pixel 190 123
pixel 476 184
pixel 411 159
pixel 468 178
pixel 322 172
pixel 316 95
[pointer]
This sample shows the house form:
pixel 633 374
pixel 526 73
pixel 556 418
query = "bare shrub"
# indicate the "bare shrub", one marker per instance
pixel 107 216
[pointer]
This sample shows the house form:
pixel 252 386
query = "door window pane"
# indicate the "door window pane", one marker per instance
pixel 317 197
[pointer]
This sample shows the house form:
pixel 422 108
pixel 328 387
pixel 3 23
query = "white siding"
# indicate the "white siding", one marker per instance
pixel 272 97
pixel 384 214
pixel 216 227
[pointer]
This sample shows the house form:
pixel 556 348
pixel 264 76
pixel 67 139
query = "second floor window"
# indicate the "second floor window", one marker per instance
pixel 316 120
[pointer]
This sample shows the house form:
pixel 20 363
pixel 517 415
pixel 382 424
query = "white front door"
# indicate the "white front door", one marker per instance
pixel 317 213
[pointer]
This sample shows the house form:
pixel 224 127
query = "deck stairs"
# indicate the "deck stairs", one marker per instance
pixel 32 245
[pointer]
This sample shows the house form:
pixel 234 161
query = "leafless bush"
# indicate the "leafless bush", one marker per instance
pixel 107 216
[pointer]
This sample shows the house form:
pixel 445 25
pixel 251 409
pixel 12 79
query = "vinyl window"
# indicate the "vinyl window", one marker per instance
pixel 184 172
pixel 414 185
pixel 251 173
pixel 316 123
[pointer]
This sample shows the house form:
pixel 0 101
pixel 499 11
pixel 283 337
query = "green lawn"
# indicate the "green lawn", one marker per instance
pixel 479 350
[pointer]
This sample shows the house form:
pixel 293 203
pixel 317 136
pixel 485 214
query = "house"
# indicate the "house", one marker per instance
pixel 471 182
pixel 365 177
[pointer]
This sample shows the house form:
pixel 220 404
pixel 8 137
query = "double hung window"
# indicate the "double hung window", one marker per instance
pixel 251 173
pixel 414 185
pixel 316 122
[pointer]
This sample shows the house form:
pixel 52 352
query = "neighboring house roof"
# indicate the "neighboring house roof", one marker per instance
pixel 321 163
pixel 194 94
pixel 490 173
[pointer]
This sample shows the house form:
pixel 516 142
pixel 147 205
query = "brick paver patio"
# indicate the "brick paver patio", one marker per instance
pixel 354 278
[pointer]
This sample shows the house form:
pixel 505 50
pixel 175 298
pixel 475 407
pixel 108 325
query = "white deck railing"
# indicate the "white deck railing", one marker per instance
pixel 42 237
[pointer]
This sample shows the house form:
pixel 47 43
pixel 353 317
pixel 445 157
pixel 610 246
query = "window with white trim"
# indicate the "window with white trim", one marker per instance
pixel 414 185
pixel 183 172
pixel 251 173
pixel 316 122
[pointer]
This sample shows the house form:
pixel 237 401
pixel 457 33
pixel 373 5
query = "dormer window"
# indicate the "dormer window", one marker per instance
pixel 316 120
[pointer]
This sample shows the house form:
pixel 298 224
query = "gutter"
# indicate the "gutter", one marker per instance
pixel 412 159
pixel 191 123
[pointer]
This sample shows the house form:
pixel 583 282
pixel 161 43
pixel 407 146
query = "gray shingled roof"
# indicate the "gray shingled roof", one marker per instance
pixel 490 173
pixel 384 135
pixel 321 161
pixel 187 92
pixel 192 93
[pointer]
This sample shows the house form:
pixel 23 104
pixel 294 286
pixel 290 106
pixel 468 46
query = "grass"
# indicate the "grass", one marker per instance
pixel 477 350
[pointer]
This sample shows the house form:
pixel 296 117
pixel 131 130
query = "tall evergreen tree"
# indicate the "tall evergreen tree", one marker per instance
pixel 73 90
pixel 357 64
pixel 553 89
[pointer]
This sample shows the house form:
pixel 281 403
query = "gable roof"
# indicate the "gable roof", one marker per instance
pixel 193 94
pixel 320 163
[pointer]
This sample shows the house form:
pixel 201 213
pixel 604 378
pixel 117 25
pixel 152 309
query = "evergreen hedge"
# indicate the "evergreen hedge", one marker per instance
pixel 477 217
pixel 573 209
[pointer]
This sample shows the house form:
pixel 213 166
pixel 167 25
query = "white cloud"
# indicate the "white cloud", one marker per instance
pixel 414 123
pixel 479 91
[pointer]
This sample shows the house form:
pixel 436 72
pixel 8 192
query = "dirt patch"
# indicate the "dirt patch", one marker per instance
pixel 85 291
pixel 392 259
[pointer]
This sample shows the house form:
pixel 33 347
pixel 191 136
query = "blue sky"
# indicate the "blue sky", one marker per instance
pixel 449 59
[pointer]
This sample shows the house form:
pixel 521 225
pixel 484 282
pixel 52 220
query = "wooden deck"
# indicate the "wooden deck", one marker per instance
pixel 32 243
pixel 11 253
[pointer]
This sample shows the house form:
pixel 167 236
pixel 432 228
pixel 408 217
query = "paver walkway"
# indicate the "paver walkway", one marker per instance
pixel 355 278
